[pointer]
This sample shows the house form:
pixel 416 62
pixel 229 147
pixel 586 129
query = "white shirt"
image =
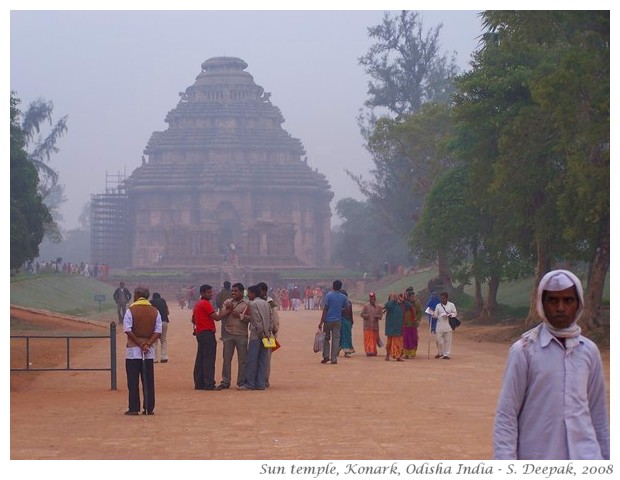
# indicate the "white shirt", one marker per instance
pixel 441 314
pixel 553 401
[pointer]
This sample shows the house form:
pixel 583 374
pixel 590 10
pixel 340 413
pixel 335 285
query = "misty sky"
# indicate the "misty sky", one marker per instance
pixel 116 74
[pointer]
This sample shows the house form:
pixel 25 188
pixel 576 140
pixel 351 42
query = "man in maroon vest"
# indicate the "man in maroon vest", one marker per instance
pixel 142 325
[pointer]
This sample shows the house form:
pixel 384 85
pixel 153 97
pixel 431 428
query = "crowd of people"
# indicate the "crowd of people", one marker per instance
pixel 403 315
pixel 294 299
pixel 249 322
pixel 402 319
pixel 552 404
pixel 58 265
pixel 550 363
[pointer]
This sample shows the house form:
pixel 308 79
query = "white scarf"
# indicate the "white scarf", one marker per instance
pixel 557 280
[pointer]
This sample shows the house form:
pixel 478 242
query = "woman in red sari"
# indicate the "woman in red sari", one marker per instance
pixel 285 305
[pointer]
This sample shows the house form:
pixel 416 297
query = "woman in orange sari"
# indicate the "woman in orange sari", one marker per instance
pixel 394 327
pixel 371 313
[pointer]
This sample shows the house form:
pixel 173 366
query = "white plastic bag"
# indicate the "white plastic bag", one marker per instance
pixel 319 339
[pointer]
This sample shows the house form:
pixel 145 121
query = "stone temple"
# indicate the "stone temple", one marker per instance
pixel 223 187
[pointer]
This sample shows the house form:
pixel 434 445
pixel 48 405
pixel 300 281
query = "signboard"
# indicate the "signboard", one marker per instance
pixel 100 298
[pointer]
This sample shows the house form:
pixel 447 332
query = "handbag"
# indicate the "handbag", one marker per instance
pixel 269 342
pixel 319 340
pixel 453 321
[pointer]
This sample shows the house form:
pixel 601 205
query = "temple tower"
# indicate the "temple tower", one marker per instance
pixel 225 184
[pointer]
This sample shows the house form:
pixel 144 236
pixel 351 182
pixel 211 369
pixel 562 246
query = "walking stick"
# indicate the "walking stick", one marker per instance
pixel 430 322
pixel 145 387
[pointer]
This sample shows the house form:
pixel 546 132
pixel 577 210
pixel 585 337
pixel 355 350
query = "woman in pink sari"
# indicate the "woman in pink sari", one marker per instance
pixel 411 322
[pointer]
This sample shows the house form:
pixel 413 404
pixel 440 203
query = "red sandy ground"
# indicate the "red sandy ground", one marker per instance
pixel 361 408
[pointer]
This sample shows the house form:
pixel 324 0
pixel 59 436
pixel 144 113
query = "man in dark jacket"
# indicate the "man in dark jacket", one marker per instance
pixel 122 296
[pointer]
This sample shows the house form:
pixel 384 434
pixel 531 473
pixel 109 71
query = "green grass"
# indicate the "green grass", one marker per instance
pixel 61 293
pixel 74 295
pixel 418 281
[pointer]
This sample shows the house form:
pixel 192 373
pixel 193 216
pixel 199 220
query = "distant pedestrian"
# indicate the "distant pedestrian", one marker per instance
pixel 346 328
pixel 443 311
pixel 286 303
pixel 121 296
pixel 161 347
pixel 394 327
pixel 371 314
pixel 309 298
pixel 334 303
pixel 224 294
pixel 411 322
pixel 295 298
pixel 432 302
pixel 191 297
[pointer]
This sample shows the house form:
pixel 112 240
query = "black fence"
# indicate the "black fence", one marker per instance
pixel 67 364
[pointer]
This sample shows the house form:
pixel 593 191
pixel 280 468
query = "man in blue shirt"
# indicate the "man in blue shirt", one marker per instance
pixel 333 304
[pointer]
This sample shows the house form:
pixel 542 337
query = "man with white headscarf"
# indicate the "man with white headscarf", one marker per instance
pixel 553 401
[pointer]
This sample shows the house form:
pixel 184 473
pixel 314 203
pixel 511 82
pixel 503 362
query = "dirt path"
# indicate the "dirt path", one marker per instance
pixel 362 408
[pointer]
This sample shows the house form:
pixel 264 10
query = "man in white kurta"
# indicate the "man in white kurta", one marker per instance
pixel 443 338
pixel 553 401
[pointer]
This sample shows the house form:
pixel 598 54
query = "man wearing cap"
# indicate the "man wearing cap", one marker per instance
pixel 371 313
pixel 553 401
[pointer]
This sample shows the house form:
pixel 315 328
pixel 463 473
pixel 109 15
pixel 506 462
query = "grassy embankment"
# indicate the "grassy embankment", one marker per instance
pixel 61 293
pixel 74 295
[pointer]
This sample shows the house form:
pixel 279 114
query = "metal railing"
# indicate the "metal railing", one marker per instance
pixel 112 368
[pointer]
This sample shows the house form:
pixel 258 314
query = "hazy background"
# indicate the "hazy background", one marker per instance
pixel 116 74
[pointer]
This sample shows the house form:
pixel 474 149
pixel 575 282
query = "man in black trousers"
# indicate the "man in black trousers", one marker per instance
pixel 142 324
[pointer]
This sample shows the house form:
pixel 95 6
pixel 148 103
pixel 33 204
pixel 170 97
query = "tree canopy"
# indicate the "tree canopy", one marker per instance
pixel 29 215
pixel 517 160
pixel 410 80
pixel 532 120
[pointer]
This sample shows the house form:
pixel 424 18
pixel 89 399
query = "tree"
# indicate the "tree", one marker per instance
pixel 447 230
pixel 406 72
pixel 361 241
pixel 405 65
pixel 29 215
pixel 39 150
pixel 530 116
pixel 574 88
pixel 410 154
